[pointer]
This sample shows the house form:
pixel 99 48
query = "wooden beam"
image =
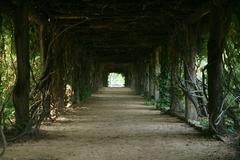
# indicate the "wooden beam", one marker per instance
pixel 38 17
pixel 101 8
pixel 202 11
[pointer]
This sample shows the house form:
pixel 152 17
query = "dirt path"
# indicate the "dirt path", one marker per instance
pixel 115 125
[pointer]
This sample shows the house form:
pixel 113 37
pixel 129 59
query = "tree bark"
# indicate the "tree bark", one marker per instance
pixel 22 85
pixel 219 24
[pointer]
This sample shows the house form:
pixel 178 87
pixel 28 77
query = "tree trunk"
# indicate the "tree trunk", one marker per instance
pixel 22 86
pixel 219 24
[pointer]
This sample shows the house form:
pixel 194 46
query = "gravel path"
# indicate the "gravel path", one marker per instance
pixel 116 125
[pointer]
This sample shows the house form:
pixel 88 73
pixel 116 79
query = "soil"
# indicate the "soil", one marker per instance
pixel 114 124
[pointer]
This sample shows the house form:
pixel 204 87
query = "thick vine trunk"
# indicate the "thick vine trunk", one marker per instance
pixel 139 69
pixel 85 76
pixel 105 79
pixel 146 80
pixel 190 74
pixel 127 80
pixel 190 80
pixel 152 76
pixel 43 43
pixel 96 76
pixel 47 59
pixel 58 80
pixel 174 106
pixel 22 86
pixel 219 23
pixel 76 76
pixel 75 84
pixel 157 73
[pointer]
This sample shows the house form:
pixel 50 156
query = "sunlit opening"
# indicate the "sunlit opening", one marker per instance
pixel 116 80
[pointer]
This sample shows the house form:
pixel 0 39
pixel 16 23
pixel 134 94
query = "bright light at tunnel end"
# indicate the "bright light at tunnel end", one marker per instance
pixel 116 80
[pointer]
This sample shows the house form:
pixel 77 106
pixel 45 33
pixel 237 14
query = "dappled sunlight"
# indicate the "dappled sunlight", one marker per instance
pixel 120 126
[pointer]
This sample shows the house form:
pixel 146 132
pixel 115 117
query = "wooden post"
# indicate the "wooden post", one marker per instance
pixel 76 76
pixel 157 72
pixel 174 65
pixel 151 76
pixel 22 85
pixel 219 24
pixel 58 76
pixel 42 44
pixel 146 84
pixel 133 77
pixel 190 74
pixel 127 80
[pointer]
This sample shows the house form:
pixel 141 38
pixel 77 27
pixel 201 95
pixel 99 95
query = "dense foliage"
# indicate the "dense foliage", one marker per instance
pixel 230 109
pixel 7 69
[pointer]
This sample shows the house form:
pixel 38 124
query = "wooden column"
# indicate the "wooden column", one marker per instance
pixel 152 76
pixel 139 71
pixel 157 72
pixel 97 76
pixel 164 77
pixel 133 77
pixel 43 43
pixel 219 24
pixel 146 83
pixel 174 65
pixel 100 79
pixel 105 78
pixel 127 80
pixel 76 75
pixel 190 74
pixel 22 85
pixel 58 76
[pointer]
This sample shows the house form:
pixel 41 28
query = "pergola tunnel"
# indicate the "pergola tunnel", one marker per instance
pixel 116 80
pixel 182 57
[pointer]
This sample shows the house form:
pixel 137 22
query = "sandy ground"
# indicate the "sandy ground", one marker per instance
pixel 116 125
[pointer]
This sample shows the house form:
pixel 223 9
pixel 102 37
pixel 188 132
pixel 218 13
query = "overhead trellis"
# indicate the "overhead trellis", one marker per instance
pixel 73 45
